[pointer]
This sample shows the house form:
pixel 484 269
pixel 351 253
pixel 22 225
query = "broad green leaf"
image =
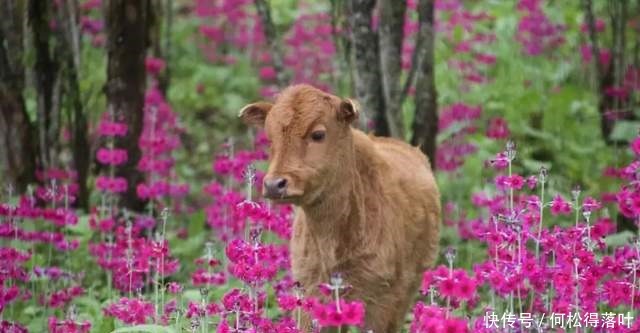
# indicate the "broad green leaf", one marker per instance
pixel 107 325
pixel 619 239
pixel 625 130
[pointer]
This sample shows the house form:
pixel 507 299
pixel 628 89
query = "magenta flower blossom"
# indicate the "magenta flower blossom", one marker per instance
pixel 288 302
pixel 515 182
pixel 635 146
pixel 590 204
pixel 434 319
pixel 498 128
pixel 61 298
pixel 197 310
pixel 67 326
pixel 536 32
pixel 110 128
pixel 334 315
pixel 111 184
pixel 9 327
pixel 600 26
pixel 131 311
pixel 154 65
pixel 586 53
pixel 174 288
pixel 559 206
pixel 456 285
pixel 111 156
pixel 91 26
pixel 267 73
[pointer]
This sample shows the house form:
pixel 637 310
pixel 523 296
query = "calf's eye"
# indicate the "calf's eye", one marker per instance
pixel 317 136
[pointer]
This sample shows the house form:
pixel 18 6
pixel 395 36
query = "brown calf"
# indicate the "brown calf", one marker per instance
pixel 366 207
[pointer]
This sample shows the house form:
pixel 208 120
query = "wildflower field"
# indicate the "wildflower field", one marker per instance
pixel 537 159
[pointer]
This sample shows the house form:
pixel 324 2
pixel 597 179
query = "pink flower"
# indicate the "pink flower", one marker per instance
pixel 590 204
pixel 498 128
pixel 288 302
pixel 635 146
pixel 112 156
pixel 9 327
pixel 131 311
pixel 91 26
pixel 515 182
pixel 455 326
pixel 67 326
pixel 484 58
pixel 154 65
pixel 466 289
pixel 329 315
pixel 501 182
pixel 617 92
pixel 111 184
pixel 559 206
pixel 174 288
pixel 110 128
pixel 267 73
pixel 447 287
pixel 353 313
pixel 599 26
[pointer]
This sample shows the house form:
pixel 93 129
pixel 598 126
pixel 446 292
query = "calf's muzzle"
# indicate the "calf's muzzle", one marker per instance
pixel 275 187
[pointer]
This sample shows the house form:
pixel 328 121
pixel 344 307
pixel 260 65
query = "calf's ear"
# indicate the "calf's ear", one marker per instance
pixel 254 114
pixel 348 111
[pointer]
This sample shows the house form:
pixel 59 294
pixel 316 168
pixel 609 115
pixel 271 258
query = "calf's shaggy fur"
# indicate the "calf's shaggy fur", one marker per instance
pixel 366 207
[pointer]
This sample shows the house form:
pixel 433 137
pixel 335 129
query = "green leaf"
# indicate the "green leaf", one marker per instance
pixel 145 329
pixel 619 239
pixel 451 131
pixel 82 227
pixel 106 325
pixel 196 223
pixel 534 165
pixel 458 33
pixel 89 304
pixel 625 130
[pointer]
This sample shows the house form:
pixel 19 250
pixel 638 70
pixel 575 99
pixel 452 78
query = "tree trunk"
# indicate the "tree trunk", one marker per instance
pixel 271 36
pixel 18 157
pixel 425 123
pixel 46 80
pixel 391 33
pixel 368 80
pixel 342 42
pixel 127 42
pixel 69 37
pixel 160 38
pixel 607 76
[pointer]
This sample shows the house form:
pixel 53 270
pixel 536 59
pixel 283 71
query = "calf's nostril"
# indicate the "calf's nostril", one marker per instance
pixel 281 183
pixel 275 187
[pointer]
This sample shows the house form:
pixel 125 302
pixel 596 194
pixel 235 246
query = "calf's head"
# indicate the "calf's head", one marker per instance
pixel 310 136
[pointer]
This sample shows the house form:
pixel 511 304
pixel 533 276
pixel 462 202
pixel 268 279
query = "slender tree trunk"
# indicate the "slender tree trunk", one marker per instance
pixel 342 43
pixel 18 152
pixel 127 42
pixel 69 38
pixel 368 78
pixel 606 75
pixel 18 163
pixel 391 33
pixel 425 123
pixel 46 80
pixel 168 45
pixel 270 34
pixel 161 43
